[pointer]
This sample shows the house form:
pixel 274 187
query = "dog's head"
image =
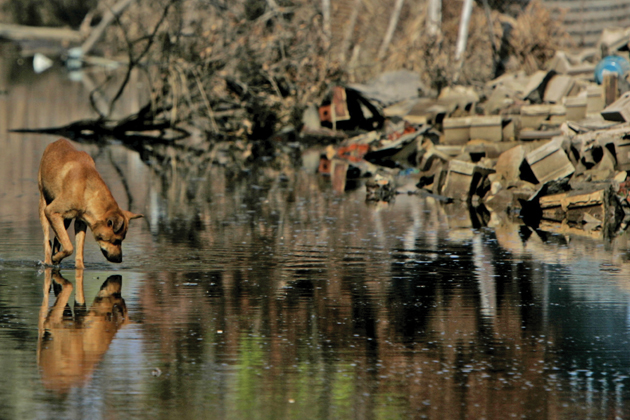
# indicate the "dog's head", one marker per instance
pixel 111 231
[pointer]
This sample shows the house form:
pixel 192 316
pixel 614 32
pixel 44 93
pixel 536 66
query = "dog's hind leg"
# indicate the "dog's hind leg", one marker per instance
pixel 46 228
pixel 79 231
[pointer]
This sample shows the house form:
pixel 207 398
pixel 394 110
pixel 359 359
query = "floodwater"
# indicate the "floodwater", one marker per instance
pixel 260 295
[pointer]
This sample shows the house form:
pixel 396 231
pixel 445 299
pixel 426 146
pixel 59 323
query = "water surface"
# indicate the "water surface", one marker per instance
pixel 263 294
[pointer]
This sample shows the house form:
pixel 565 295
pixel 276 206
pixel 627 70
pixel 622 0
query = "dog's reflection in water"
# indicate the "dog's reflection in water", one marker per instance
pixel 70 345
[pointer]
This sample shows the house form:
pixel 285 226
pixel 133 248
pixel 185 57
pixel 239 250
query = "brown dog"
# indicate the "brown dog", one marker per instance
pixel 71 188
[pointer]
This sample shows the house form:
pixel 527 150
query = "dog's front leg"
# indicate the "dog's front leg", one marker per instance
pixel 57 222
pixel 79 295
pixel 79 232
pixel 56 244
pixel 56 314
pixel 46 228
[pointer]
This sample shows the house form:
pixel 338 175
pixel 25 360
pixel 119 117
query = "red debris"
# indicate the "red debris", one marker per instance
pixel 353 152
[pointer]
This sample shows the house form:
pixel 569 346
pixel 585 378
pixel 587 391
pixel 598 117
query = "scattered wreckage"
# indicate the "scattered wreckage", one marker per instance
pixel 552 147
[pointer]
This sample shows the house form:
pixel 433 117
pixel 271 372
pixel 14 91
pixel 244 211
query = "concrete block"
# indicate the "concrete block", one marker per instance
pixel 486 128
pixel 550 162
pixel 618 110
pixel 594 99
pixel 622 153
pixel 576 107
pixel 557 88
pixel 462 179
pixel 509 131
pixel 535 88
pixel 532 116
pixel 509 164
pixel 456 130
pixel 557 114
pixel 459 180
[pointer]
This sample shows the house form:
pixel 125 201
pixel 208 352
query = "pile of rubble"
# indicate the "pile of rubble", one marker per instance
pixel 553 146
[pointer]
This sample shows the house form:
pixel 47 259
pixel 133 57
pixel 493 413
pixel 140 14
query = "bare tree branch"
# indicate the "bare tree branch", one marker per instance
pixel 393 22
pixel 97 32
pixel 133 62
pixel 326 19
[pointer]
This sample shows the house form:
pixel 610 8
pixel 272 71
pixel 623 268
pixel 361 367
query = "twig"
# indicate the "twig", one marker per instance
pixel 205 100
pixel 495 53
pixel 133 62
pixel 173 83
pixel 272 5
pixel 123 179
pixel 97 33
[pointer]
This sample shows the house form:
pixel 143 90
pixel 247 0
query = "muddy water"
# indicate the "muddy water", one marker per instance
pixel 265 295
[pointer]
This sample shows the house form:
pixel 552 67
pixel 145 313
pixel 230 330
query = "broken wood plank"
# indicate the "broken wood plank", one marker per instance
pixel 339 172
pixel 610 88
pixel 595 206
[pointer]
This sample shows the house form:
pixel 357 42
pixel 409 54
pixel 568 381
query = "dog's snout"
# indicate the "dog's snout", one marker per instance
pixel 115 258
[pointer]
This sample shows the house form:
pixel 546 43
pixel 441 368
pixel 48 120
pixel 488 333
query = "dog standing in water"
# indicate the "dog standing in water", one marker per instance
pixel 71 188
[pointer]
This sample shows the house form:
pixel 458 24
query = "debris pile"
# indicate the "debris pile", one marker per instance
pixel 552 147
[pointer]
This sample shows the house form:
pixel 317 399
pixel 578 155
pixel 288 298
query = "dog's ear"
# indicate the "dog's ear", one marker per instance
pixel 130 216
pixel 116 223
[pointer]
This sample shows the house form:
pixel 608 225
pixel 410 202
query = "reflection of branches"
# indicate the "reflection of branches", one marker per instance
pixel 123 179
pixel 98 101
pixel 205 99
pixel 149 118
